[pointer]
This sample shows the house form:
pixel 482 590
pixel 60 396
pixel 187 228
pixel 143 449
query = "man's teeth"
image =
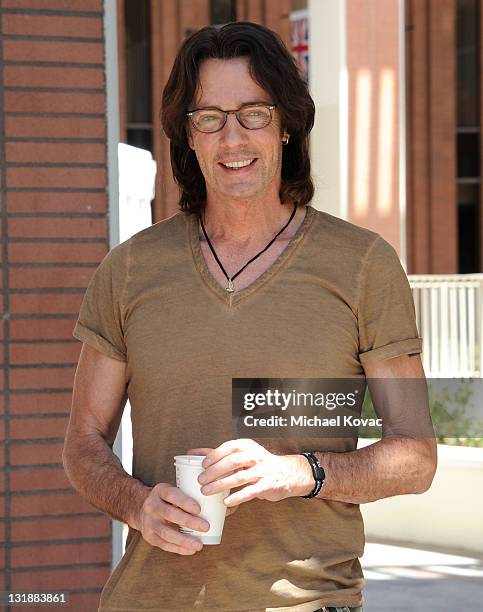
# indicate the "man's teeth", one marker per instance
pixel 238 164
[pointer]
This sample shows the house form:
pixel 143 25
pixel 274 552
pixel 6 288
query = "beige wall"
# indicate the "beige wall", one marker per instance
pixel 355 78
pixel 328 89
pixel 448 516
pixel 374 115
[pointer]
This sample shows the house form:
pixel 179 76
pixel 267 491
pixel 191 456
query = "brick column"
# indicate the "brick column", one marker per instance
pixel 54 234
pixel 431 133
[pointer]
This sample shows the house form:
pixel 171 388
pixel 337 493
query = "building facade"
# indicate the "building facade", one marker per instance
pixel 396 147
pixel 397 86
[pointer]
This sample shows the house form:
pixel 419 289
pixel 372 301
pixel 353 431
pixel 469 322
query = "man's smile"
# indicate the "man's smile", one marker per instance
pixel 241 166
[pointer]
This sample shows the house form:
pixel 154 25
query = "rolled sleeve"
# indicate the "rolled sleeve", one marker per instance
pixel 386 314
pixel 101 316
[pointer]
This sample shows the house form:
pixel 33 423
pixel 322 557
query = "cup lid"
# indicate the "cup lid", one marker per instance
pixel 190 459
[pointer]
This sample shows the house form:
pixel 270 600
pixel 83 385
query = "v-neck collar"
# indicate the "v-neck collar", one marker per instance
pixel 231 299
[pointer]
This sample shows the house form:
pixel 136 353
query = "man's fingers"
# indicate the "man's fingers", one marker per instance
pixel 243 495
pixel 227 448
pixel 178 549
pixel 172 540
pixel 238 479
pixel 175 496
pixel 224 467
pixel 165 509
pixel 183 519
pixel 198 451
pixel 178 508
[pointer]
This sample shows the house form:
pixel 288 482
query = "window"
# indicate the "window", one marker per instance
pixel 468 136
pixel 138 74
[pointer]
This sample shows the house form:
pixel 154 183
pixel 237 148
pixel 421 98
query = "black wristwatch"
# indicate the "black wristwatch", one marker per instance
pixel 318 472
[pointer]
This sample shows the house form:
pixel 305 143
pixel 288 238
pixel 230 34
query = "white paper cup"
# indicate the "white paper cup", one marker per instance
pixel 188 468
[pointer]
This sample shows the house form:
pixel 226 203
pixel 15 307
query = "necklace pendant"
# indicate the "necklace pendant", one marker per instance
pixel 230 287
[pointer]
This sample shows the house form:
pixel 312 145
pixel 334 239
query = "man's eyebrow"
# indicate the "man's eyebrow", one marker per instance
pixel 257 101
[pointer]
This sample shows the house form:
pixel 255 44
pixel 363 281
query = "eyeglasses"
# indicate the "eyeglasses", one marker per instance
pixel 250 116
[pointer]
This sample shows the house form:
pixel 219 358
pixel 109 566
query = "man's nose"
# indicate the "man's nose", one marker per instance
pixel 233 131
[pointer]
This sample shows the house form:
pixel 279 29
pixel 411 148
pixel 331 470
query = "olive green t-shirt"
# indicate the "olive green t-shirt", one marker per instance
pixel 335 300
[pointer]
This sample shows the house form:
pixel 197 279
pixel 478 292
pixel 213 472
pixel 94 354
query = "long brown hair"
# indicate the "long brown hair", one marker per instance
pixel 274 69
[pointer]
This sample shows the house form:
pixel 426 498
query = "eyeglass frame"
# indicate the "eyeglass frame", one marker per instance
pixel 229 112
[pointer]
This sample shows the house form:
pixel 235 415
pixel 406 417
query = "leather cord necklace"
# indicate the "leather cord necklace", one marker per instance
pixel 230 286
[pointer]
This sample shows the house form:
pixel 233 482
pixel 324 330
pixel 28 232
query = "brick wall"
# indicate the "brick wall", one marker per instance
pixel 54 233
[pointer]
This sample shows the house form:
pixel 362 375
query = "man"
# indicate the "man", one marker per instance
pixel 247 280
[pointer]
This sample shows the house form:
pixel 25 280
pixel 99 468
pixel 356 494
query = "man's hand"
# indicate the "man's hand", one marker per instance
pixel 164 509
pixel 261 474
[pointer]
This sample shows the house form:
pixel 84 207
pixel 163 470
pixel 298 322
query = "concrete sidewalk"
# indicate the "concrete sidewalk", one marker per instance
pixel 404 579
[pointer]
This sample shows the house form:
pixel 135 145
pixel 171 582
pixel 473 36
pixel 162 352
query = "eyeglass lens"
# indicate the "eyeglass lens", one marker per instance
pixel 251 117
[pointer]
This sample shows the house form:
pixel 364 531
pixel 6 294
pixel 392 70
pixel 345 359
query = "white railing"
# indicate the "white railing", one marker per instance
pixel 449 314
